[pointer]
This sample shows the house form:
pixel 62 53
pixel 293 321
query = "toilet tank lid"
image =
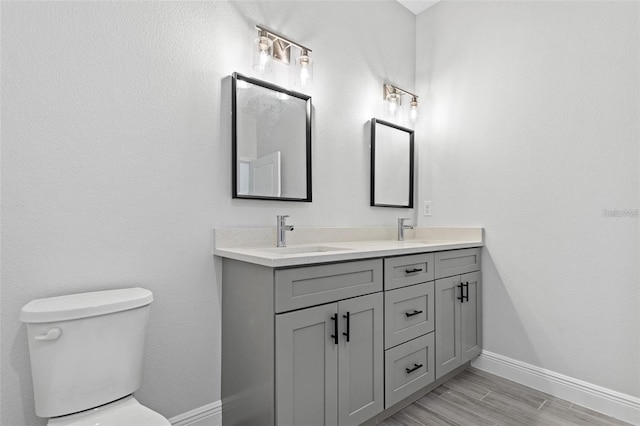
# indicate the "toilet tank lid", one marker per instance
pixel 83 305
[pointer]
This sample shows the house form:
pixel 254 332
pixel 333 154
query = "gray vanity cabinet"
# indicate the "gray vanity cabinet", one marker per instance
pixel 340 343
pixel 302 345
pixel 329 366
pixel 458 321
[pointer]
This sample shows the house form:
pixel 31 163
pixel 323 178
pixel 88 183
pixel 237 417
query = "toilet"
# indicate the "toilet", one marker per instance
pixel 87 353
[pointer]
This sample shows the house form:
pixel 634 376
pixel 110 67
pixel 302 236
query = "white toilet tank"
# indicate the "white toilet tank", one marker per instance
pixel 86 349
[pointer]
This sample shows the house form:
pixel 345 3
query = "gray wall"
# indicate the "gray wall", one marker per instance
pixel 532 130
pixel 116 160
pixel 116 165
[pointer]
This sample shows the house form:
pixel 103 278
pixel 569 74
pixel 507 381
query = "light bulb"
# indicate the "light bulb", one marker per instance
pixel 264 58
pixel 392 103
pixel 262 53
pixel 393 106
pixel 413 113
pixel 304 68
pixel 304 75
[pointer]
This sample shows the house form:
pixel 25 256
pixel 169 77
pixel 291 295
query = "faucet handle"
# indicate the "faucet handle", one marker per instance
pixel 282 218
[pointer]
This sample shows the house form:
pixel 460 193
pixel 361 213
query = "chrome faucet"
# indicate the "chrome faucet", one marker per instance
pixel 282 228
pixel 402 227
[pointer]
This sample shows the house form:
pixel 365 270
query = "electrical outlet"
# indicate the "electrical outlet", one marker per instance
pixel 427 208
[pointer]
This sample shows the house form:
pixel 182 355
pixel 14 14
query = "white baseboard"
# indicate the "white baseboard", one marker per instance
pixel 612 403
pixel 606 401
pixel 207 415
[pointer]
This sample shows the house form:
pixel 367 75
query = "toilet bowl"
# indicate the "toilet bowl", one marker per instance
pixel 125 411
pixel 87 353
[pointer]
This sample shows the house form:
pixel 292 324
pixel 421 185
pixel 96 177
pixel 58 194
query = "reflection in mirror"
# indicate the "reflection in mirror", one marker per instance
pixel 271 138
pixel 391 165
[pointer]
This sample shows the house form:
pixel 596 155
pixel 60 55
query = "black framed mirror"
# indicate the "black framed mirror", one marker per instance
pixel 271 141
pixel 391 165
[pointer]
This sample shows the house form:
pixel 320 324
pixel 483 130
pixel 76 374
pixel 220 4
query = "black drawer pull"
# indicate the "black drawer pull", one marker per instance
pixel 461 297
pixel 413 271
pixel 466 298
pixel 415 367
pixel 347 316
pixel 334 318
pixel 410 314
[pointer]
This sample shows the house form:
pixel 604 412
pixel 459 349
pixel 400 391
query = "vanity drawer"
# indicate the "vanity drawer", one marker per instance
pixel 407 270
pixel 297 288
pixel 408 313
pixel 456 262
pixel 408 368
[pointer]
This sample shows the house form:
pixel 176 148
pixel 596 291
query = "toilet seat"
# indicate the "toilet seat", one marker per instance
pixel 123 412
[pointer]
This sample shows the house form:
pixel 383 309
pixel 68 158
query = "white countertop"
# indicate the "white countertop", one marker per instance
pixel 322 245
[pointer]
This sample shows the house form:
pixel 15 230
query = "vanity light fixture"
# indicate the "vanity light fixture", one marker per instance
pixel 413 112
pixel 272 46
pixel 304 69
pixel 262 53
pixel 392 96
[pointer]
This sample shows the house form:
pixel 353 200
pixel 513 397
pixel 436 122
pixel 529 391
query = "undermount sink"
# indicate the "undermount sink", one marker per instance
pixel 390 243
pixel 302 250
pixel 429 242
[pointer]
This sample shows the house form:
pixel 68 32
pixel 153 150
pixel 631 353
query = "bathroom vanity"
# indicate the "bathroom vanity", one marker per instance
pixel 339 332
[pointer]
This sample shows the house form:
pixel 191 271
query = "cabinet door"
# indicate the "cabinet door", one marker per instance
pixel 306 367
pixel 471 317
pixel 448 353
pixel 360 364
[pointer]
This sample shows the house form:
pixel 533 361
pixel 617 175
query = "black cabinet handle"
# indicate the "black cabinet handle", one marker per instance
pixel 466 298
pixel 461 297
pixel 413 271
pixel 348 332
pixel 410 314
pixel 415 367
pixel 334 318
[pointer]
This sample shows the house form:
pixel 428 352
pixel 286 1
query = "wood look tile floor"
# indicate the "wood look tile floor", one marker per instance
pixel 477 398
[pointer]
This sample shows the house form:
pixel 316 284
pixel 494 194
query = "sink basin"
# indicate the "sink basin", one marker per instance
pixel 429 242
pixel 302 249
pixel 390 243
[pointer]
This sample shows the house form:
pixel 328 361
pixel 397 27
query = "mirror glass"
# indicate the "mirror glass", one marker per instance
pixel 391 165
pixel 271 136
